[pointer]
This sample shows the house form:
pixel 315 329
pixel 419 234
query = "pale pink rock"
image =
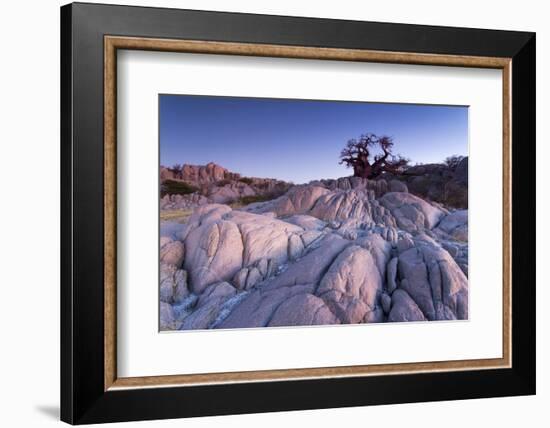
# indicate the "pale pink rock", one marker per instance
pixel 167 318
pixel 303 309
pixel 434 281
pixel 411 213
pixel 257 309
pixel 352 285
pixel 173 284
pixel 311 267
pixel 263 237
pixel 298 200
pixel 404 308
pixel 295 247
pixel 172 253
pixel 306 222
pixel 455 225
pixel 214 253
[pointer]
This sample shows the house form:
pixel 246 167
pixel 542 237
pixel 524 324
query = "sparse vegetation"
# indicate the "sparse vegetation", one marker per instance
pixel 174 187
pixel 246 180
pixel 453 161
pixel 175 168
pixel 179 216
pixel 245 200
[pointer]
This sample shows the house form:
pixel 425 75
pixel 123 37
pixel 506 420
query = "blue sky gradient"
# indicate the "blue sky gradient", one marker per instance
pixel 300 140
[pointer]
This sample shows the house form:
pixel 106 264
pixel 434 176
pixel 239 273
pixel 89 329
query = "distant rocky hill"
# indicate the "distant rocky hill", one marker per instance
pixel 189 186
pixel 438 182
pixel 198 174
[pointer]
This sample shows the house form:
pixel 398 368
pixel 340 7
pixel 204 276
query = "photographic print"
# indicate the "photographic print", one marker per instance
pixel 289 212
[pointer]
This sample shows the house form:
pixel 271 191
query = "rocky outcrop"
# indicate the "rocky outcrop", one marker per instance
pixel 220 242
pixel 183 202
pixel 229 192
pixel 173 284
pixel 298 200
pixel 215 254
pixel 437 182
pixel 433 280
pixel 379 187
pixel 331 252
pixel 171 252
pixel 212 183
pixel 410 212
pixel 198 174
pixel 455 226
pixel 352 285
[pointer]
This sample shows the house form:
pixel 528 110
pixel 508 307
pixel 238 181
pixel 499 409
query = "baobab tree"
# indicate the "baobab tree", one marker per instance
pixel 371 155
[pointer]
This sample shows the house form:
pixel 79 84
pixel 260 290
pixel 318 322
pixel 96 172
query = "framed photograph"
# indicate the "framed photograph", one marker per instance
pixel 265 213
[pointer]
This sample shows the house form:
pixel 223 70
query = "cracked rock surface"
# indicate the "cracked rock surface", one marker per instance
pixel 343 251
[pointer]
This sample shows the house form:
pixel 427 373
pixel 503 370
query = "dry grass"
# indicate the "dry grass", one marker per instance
pixel 179 216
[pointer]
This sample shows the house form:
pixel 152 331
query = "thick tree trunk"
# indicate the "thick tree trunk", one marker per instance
pixel 362 170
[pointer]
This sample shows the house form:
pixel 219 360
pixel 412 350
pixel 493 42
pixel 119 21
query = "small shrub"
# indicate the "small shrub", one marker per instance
pixel 176 167
pixel 453 161
pixel 246 180
pixel 173 187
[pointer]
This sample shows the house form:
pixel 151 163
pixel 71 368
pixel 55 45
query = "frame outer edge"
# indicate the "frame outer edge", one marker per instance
pixel 82 402
pixel 66 305
pixel 524 216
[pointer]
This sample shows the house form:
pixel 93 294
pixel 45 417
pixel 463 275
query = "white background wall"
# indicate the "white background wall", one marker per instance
pixel 29 214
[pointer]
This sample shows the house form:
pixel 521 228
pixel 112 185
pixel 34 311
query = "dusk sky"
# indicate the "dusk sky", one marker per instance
pixel 299 140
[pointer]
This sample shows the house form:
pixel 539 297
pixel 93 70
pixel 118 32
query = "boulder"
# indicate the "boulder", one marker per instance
pixel 391 275
pixel 411 213
pixel 379 248
pixel 239 280
pixel 172 253
pixel 352 285
pixel 230 192
pixel 203 216
pixel 221 242
pixel 258 307
pixel 455 225
pixel 209 306
pixel 434 280
pixel 214 254
pixel 310 236
pixel 306 222
pixel 220 290
pixel 263 237
pixel 312 266
pixel 385 301
pixel 173 284
pixel 222 195
pixel 167 318
pixel 295 247
pixel 414 280
pixel 249 277
pixel 302 309
pixel 348 204
pixel 403 308
pixel 397 186
pixel 298 200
